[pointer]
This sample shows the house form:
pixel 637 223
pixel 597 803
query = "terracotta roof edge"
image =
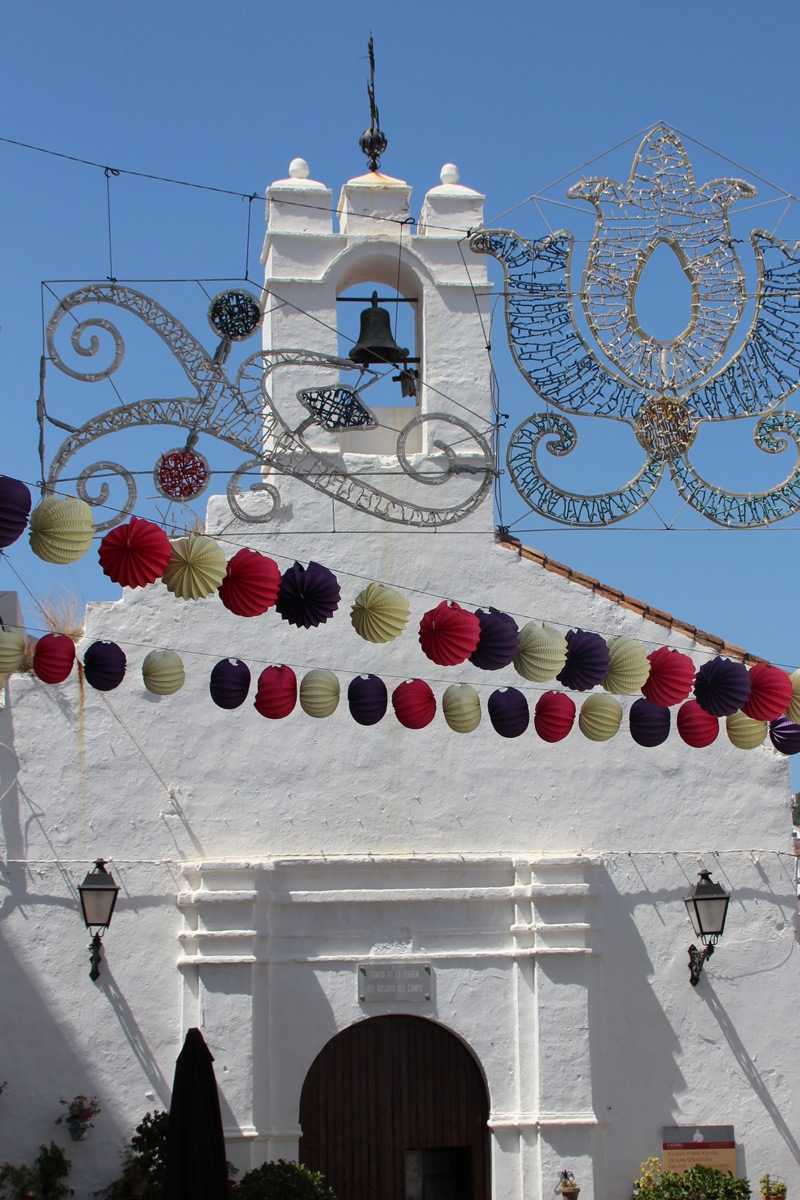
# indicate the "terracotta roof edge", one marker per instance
pixel 656 615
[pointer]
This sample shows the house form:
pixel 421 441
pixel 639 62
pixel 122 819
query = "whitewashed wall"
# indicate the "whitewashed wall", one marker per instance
pixel 543 883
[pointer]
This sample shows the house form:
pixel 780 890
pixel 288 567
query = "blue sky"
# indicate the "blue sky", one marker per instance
pixel 518 95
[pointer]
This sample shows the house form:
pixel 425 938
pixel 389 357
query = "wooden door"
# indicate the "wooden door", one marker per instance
pixel 380 1097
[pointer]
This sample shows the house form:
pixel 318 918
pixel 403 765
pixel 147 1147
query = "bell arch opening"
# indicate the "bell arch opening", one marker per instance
pixel 397 1107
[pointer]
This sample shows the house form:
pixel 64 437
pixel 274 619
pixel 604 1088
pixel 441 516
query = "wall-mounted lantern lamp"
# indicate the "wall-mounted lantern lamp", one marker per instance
pixel 707 906
pixel 98 894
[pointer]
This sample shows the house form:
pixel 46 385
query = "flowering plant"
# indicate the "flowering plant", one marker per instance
pixel 80 1108
pixel 771 1186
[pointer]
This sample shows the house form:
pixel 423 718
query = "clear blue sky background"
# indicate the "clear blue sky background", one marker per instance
pixel 517 94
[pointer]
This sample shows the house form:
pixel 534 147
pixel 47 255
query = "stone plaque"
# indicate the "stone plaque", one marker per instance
pixel 699 1145
pixel 388 983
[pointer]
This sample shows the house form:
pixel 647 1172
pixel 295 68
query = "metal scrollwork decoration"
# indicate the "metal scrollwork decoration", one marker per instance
pixel 664 390
pixel 241 413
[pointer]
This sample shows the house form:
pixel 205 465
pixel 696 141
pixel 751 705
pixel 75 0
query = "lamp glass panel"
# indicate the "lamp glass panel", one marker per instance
pixel 98 904
pixel 693 917
pixel 711 914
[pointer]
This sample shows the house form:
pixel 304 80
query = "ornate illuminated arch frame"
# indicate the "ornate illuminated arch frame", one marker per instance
pixel 663 390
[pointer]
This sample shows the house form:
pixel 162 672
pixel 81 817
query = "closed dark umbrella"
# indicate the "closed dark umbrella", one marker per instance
pixel 197 1166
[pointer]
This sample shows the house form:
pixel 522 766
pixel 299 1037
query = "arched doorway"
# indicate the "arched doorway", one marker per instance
pixel 395 1108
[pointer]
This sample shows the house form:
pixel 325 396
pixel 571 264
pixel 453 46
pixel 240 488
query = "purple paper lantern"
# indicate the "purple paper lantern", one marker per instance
pixel 785 735
pixel 587 661
pixel 499 640
pixel 721 687
pixel 15 504
pixel 368 699
pixel 508 712
pixel 229 683
pixel 649 723
pixel 104 666
pixel 307 595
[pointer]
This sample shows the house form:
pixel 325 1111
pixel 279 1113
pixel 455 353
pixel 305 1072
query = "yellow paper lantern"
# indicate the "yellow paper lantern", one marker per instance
pixel 628 668
pixel 61 529
pixel 745 733
pixel 12 650
pixel 461 707
pixel 197 567
pixel 793 708
pixel 379 614
pixel 319 693
pixel 600 717
pixel 163 673
pixel 542 652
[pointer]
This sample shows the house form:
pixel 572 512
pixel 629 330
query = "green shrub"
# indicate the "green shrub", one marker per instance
pixel 698 1183
pixel 283 1181
pixel 42 1181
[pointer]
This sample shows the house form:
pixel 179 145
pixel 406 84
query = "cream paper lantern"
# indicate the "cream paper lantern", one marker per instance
pixel 461 707
pixel 61 529
pixel 12 650
pixel 793 708
pixel 628 668
pixel 163 673
pixel 542 652
pixel 319 693
pixel 196 568
pixel 600 717
pixel 379 614
pixel 745 733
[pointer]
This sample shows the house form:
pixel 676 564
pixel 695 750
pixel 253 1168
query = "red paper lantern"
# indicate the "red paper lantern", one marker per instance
pixel 251 584
pixel 53 657
pixel 553 716
pixel 135 554
pixel 697 727
pixel 449 634
pixel 670 679
pixel 414 704
pixel 277 692
pixel 770 693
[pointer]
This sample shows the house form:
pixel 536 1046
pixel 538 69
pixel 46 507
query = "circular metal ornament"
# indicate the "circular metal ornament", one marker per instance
pixel 665 427
pixel 234 315
pixel 181 475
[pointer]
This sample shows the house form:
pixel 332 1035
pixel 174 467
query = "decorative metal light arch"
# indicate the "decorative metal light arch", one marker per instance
pixel 664 390
pixel 241 413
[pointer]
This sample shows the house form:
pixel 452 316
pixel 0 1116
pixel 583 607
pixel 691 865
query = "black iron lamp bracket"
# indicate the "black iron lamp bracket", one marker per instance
pixel 697 960
pixel 95 957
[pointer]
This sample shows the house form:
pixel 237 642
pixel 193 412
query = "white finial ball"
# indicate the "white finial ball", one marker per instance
pixel 298 168
pixel 449 173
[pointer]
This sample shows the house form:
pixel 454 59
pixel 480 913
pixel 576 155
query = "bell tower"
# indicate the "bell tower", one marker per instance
pixel 370 242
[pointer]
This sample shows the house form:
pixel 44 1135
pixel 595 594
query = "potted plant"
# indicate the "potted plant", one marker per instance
pixel 771 1188
pixel 567 1186
pixel 78 1117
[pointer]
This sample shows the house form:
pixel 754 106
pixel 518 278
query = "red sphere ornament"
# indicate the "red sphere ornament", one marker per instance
pixel 277 692
pixel 182 475
pixel 671 677
pixel 251 584
pixel 770 693
pixel 553 716
pixel 414 704
pixel 135 554
pixel 449 634
pixel 53 657
pixel 697 727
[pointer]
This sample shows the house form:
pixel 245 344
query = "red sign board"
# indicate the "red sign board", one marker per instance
pixel 686 1146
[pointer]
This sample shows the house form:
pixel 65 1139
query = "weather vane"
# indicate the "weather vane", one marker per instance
pixel 373 141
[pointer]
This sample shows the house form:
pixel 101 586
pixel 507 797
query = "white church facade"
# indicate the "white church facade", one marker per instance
pixel 413 953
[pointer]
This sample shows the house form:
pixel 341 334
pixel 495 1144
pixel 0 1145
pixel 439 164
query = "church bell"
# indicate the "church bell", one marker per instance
pixel 376 346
